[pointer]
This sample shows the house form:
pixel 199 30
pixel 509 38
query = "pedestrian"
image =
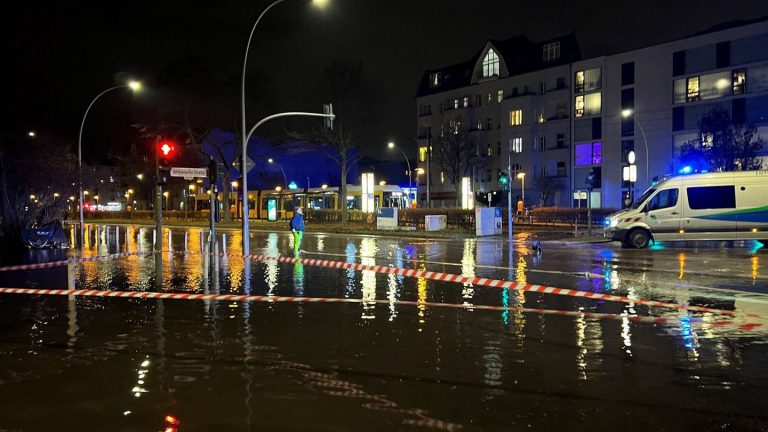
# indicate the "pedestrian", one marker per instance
pixel 297 227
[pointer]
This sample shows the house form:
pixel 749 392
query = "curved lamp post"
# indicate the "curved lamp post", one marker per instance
pixel 630 113
pixel 134 86
pixel 244 156
pixel 285 178
pixel 410 185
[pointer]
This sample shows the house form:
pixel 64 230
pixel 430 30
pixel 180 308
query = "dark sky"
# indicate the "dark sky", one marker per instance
pixel 57 57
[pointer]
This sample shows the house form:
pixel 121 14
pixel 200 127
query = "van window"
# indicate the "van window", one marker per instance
pixel 711 197
pixel 664 199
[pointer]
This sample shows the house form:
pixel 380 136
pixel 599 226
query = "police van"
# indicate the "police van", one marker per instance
pixel 712 206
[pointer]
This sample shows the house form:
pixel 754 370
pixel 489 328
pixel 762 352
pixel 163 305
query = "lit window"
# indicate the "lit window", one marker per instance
pixel 466 101
pixel 693 88
pixel 579 106
pixel 579 86
pixel 516 117
pixel 500 96
pixel 478 124
pixel 422 154
pixel 489 150
pixel 442 177
pixel 589 153
pixel 490 97
pixel 551 51
pixel 739 81
pixel 490 64
pixel 541 117
pixel 516 145
pixel 592 104
pixel 455 104
pixel 435 79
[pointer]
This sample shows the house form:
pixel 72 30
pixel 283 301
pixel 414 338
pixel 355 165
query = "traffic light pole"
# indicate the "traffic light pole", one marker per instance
pixel 244 158
pixel 509 191
pixel 158 220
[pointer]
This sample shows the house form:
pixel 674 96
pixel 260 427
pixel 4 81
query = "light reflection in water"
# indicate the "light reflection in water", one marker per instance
pixel 272 269
pixel 351 252
pixel 421 285
pixel 755 267
pixel 320 243
pixel 681 260
pixel 626 328
pixel 367 257
pixel 468 270
pixel 394 283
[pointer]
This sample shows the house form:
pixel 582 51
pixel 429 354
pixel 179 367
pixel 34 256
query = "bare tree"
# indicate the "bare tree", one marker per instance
pixel 355 103
pixel 458 152
pixel 723 145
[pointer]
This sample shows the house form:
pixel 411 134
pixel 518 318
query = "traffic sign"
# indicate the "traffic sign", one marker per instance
pixel 189 173
pixel 249 164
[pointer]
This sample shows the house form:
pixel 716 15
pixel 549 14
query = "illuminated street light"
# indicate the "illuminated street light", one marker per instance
pixel 140 176
pixel 134 86
pixel 285 178
pixel 521 176
pixel 246 136
pixel 410 185
pixel 324 186
pixel 31 134
pixel 626 113
pixel 278 188
pixel 32 197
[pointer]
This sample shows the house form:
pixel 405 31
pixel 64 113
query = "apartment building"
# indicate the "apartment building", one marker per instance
pixel 563 117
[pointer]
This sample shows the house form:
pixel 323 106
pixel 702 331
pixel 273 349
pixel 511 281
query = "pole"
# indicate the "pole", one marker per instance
pixel 523 179
pixel 246 245
pixel 158 221
pixel 509 192
pixel 245 143
pixel 429 173
pixel 645 141
pixel 80 155
pixel 589 212
pixel 213 210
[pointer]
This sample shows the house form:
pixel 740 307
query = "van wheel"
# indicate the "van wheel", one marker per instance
pixel 638 238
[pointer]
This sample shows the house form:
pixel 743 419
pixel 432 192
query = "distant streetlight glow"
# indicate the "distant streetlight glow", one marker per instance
pixel 320 4
pixel 278 188
pixel 234 184
pixel 626 112
pixel 31 134
pixel 140 176
pixel 134 85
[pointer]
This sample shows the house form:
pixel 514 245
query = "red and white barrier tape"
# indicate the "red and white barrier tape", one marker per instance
pixel 69 261
pixel 493 283
pixel 282 299
pixel 439 276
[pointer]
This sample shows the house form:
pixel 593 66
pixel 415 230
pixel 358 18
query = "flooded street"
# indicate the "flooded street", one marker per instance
pixel 381 364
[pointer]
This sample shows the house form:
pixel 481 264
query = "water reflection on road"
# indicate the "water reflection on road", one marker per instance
pixel 379 366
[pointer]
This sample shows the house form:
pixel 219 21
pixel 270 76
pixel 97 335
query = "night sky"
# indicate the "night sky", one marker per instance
pixel 58 57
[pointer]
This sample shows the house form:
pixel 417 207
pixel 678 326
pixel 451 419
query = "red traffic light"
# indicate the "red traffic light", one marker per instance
pixel 166 153
pixel 166 148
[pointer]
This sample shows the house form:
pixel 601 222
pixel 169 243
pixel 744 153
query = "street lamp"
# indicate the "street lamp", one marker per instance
pixel 134 86
pixel 285 179
pixel 410 185
pixel 521 176
pixel 31 134
pixel 626 113
pixel 140 176
pixel 320 4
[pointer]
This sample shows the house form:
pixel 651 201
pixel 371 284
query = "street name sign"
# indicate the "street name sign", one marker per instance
pixel 189 173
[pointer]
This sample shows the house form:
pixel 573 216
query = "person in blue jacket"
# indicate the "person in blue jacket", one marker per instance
pixel 297 227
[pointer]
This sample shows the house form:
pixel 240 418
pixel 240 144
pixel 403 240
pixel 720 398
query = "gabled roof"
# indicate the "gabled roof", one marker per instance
pixel 519 54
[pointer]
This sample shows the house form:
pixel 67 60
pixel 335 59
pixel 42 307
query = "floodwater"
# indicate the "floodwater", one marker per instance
pixel 125 364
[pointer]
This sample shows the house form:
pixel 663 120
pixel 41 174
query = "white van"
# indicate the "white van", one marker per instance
pixel 714 206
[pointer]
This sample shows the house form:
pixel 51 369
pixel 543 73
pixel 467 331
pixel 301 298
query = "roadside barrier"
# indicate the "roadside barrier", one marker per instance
pixel 741 325
pixel 493 283
pixel 412 273
pixel 71 261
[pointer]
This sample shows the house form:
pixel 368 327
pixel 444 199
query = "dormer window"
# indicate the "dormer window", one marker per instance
pixel 551 51
pixel 490 64
pixel 434 79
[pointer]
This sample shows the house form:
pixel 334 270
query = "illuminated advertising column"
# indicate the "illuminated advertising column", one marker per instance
pixel 467 200
pixel 367 197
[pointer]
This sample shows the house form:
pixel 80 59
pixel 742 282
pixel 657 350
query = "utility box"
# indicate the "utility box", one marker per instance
pixel 487 221
pixel 435 222
pixel 386 218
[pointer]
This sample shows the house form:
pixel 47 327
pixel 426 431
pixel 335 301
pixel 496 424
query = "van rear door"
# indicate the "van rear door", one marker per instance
pixel 752 208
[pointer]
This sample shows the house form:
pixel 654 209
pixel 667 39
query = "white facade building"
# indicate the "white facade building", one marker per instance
pixel 549 98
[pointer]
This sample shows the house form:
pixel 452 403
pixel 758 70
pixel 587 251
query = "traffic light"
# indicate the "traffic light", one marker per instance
pixel 166 152
pixel 328 121
pixel 504 180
